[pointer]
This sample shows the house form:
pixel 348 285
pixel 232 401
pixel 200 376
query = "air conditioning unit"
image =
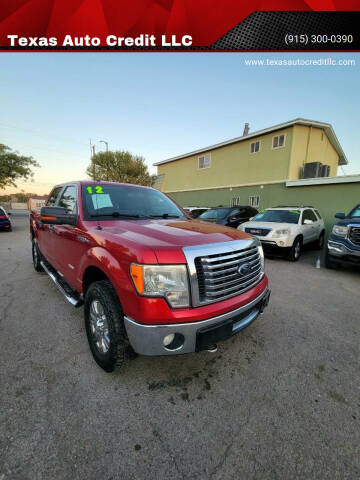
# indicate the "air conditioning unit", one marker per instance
pixel 312 170
pixel 325 170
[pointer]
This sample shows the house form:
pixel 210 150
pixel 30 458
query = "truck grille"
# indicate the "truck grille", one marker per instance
pixel 354 235
pixel 218 274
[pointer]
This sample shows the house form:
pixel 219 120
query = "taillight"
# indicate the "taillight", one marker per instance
pixel 3 217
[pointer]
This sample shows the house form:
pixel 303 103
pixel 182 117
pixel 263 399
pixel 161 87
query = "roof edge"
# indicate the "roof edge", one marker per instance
pixel 297 121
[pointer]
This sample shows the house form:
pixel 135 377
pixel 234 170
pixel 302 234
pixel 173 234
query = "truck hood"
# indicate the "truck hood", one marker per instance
pixel 347 221
pixel 164 236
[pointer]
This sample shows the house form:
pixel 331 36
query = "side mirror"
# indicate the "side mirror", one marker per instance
pixel 340 215
pixel 8 214
pixel 57 216
pixel 250 219
pixel 308 221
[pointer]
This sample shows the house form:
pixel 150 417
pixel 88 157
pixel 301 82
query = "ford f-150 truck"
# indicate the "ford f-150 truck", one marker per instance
pixel 152 280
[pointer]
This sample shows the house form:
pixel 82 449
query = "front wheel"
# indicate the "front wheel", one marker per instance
pixel 36 256
pixel 105 329
pixel 295 251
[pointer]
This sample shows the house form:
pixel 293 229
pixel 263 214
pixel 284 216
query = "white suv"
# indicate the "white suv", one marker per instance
pixel 286 229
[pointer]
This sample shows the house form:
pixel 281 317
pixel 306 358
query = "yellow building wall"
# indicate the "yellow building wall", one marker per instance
pixel 311 145
pixel 230 165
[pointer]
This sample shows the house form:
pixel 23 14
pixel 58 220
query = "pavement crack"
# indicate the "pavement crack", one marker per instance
pixel 169 452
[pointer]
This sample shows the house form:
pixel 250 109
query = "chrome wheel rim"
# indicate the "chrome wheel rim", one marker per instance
pixel 99 327
pixel 297 250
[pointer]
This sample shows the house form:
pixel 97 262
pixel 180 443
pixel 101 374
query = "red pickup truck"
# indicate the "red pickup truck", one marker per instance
pixel 152 280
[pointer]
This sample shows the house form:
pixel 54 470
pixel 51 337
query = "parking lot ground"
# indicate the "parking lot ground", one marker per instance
pixel 278 401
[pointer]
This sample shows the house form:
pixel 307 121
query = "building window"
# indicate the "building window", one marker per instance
pixel 204 161
pixel 279 141
pixel 255 147
pixel 235 201
pixel 254 201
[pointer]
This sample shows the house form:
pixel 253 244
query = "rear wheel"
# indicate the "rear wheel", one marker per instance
pixel 320 241
pixel 295 251
pixel 105 329
pixel 36 256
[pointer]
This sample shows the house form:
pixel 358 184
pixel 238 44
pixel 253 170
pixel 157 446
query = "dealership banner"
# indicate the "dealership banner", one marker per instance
pixel 203 25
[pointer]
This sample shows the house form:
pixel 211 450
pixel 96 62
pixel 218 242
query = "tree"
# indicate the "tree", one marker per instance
pixel 120 166
pixel 14 167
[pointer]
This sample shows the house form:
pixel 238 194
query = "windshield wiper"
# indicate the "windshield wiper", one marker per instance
pixel 164 215
pixel 117 214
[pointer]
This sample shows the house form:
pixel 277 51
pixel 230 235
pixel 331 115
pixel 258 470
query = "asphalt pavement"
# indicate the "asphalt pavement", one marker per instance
pixel 278 401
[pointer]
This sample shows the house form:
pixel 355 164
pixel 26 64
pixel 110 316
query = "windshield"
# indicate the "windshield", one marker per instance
pixel 355 213
pixel 278 216
pixel 215 213
pixel 126 201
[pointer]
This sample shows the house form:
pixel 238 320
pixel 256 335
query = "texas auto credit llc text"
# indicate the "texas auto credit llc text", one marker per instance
pixel 143 40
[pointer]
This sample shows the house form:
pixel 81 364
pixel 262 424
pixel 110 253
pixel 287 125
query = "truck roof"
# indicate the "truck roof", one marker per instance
pixel 94 182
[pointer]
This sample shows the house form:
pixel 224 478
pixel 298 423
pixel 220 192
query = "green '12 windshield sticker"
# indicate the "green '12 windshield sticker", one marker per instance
pixel 295 211
pixel 98 189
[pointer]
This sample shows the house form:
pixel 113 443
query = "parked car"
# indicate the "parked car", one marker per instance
pixel 285 229
pixel 5 223
pixel 151 280
pixel 229 216
pixel 343 245
pixel 195 211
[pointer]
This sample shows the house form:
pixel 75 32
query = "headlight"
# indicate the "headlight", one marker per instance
pixel 339 230
pixel 280 233
pixel 168 281
pixel 262 261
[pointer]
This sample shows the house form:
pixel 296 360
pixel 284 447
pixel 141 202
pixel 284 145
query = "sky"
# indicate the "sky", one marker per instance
pixel 160 105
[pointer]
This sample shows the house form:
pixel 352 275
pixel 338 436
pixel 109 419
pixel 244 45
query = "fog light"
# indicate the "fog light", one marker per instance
pixel 168 339
pixel 281 243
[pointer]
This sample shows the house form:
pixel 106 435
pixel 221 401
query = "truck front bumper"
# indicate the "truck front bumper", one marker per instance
pixel 342 253
pixel 194 336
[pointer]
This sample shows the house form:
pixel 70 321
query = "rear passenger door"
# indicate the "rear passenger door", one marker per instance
pixel 311 231
pixel 67 250
pixel 45 232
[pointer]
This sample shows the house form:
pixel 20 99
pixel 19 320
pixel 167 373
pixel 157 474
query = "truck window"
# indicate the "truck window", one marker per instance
pixel 68 199
pixel 53 196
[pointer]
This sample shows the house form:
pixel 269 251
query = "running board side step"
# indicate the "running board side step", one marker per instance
pixel 71 296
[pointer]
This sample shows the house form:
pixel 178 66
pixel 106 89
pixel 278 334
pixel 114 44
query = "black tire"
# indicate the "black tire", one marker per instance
pixel 320 241
pixel 10 229
pixel 36 256
pixel 329 263
pixel 102 294
pixel 295 251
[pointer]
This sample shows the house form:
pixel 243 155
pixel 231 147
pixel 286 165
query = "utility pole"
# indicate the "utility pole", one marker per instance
pixel 92 155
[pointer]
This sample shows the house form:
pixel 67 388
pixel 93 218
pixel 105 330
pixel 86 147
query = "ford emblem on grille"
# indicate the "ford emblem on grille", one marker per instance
pixel 244 269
